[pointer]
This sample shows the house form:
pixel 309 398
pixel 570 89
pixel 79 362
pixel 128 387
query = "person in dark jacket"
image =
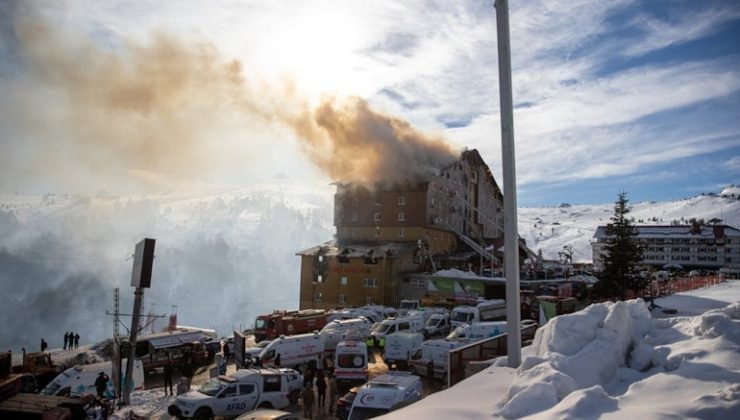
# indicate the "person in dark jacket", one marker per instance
pixel 66 340
pixel 321 389
pixel 101 383
pixel 168 377
pixel 77 340
pixel 44 345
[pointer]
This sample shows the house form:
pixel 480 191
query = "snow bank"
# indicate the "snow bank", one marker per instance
pixel 576 351
pixel 454 272
pixel 613 359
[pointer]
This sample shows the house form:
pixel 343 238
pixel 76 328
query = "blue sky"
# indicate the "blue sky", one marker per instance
pixel 640 96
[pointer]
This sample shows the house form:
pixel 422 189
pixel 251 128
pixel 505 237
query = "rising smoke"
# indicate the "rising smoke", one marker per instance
pixel 167 110
pixel 82 114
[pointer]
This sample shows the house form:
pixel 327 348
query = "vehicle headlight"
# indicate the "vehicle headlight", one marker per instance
pixel 184 403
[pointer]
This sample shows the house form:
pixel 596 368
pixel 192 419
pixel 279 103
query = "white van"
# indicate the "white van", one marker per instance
pixel 434 355
pixel 244 390
pixel 350 363
pixel 385 393
pixel 355 329
pixel 293 351
pixel 80 380
pixel 393 325
pixel 352 313
pixel 400 346
pixel 477 331
pixel 437 325
pixel 488 310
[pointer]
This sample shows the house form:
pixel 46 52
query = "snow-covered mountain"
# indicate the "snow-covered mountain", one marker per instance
pixel 223 256
pixel 551 228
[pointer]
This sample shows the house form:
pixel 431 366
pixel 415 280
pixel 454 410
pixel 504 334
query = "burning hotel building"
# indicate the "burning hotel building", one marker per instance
pixel 389 233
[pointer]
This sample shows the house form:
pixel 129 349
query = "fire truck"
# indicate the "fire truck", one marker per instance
pixel 270 326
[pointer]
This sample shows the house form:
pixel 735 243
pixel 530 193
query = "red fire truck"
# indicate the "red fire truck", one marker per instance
pixel 279 323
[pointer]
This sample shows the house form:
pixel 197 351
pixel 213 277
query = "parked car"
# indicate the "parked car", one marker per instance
pixel 344 404
pixel 230 395
pixel 268 414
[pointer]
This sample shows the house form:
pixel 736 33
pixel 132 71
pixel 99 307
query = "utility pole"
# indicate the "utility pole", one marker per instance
pixel 116 362
pixel 511 236
pixel 141 278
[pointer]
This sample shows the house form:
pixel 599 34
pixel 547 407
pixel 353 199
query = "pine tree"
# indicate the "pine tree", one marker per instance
pixel 622 254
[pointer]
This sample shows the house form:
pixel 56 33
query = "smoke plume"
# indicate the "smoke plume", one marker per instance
pixel 167 109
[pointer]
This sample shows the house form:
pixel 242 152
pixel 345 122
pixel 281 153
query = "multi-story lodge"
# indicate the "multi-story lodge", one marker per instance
pixel 711 247
pixel 386 233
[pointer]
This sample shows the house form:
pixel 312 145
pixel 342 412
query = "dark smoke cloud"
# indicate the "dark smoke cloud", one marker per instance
pixel 354 143
pixel 162 110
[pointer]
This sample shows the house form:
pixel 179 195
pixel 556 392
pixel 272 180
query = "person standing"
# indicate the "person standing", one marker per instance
pixel 77 340
pixel 168 377
pixel 321 389
pixel 44 345
pixel 332 392
pixel 307 400
pixel 66 340
pixel 101 383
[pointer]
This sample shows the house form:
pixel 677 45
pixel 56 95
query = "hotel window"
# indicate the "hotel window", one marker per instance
pixel 354 217
pixel 370 282
pixel 377 233
pixel 376 201
pixel 343 281
pixel 401 233
pixel 401 217
pixel 376 217
pixel 401 201
pixel 369 300
pixel 342 299
pixel 319 295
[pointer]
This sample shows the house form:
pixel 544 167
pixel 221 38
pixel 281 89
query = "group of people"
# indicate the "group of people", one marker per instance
pixel 71 340
pixel 310 376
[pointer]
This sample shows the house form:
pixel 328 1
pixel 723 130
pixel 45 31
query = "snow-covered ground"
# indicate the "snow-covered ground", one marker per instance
pixel 613 360
pixel 231 248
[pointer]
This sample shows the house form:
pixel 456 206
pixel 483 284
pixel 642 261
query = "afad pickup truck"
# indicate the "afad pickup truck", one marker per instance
pixel 245 390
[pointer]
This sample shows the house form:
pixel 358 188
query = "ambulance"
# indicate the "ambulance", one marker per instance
pixel 384 394
pixel 350 363
pixel 293 351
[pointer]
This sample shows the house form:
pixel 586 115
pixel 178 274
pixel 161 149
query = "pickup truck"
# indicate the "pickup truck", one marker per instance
pixel 245 390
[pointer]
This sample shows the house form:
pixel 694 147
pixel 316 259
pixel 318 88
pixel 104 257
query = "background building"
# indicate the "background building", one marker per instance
pixel 711 247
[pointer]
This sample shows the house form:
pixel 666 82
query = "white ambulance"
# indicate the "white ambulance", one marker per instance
pixel 293 351
pixel 385 393
pixel 355 329
pixel 350 363
pixel 80 380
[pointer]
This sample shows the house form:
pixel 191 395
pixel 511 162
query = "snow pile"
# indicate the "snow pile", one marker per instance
pixel 613 360
pixel 576 351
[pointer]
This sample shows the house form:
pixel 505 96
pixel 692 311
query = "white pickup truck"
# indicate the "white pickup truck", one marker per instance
pixel 245 390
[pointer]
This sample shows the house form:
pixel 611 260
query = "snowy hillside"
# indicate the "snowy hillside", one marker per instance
pixel 551 228
pixel 223 256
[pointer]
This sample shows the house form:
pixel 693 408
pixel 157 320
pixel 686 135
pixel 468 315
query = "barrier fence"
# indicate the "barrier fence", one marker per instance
pixel 681 284
pixel 487 349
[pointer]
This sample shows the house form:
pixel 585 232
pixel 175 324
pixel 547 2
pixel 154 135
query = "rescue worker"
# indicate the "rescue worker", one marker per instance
pixel 44 345
pixel 307 401
pixel 77 340
pixel 66 340
pixel 101 383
